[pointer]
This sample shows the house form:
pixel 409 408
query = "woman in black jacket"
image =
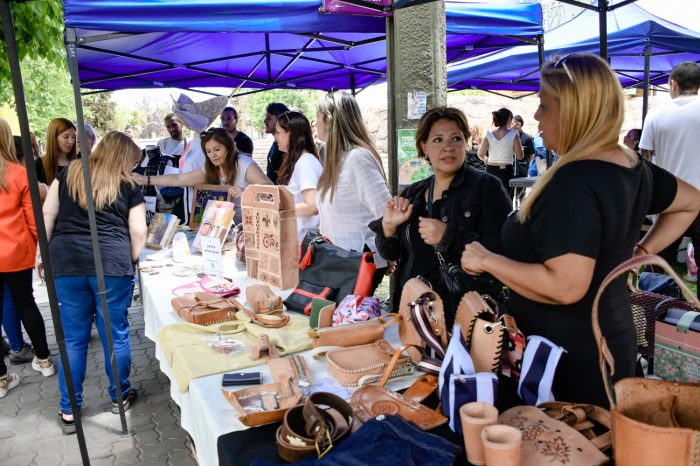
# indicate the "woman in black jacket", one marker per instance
pixel 466 205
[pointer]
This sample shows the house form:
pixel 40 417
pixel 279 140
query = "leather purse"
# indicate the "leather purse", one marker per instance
pixel 310 428
pixel 546 440
pixel 300 299
pixel 654 421
pixel 416 291
pixel 359 333
pixel 262 299
pixel 482 331
pixel 360 365
pixel 370 401
pixel 204 308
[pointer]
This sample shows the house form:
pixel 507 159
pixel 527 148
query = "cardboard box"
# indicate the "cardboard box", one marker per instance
pixel 270 232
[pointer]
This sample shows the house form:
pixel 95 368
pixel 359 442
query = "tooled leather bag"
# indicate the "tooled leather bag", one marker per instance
pixel 204 308
pixel 310 428
pixel 360 365
pixel 654 421
pixel 482 331
pixel 370 401
pixel 262 299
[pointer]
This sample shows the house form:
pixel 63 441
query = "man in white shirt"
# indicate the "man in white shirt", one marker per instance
pixel 172 148
pixel 672 133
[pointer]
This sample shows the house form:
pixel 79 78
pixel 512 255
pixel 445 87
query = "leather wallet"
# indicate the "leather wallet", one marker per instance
pixel 241 378
pixel 321 313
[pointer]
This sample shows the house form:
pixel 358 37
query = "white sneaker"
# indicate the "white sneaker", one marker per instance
pixel 691 278
pixel 7 383
pixel 45 366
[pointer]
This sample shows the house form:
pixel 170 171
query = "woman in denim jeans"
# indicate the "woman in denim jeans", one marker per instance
pixel 121 225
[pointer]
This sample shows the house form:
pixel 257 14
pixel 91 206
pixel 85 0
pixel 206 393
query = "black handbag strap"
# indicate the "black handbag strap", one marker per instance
pixel 431 190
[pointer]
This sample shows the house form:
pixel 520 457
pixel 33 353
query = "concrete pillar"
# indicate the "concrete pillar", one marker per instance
pixel 416 56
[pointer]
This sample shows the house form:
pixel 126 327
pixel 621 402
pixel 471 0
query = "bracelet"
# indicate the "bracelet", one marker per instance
pixel 644 250
pixel 148 182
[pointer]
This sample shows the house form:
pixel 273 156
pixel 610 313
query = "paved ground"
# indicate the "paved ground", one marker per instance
pixel 29 430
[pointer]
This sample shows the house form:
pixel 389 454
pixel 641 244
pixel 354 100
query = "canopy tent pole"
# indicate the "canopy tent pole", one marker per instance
pixel 645 95
pixel 603 22
pixel 8 30
pixel 540 57
pixel 71 48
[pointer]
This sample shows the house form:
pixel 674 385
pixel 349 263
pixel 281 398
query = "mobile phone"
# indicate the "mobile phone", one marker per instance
pixel 241 378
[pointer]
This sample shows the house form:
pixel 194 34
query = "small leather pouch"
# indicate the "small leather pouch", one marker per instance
pixel 360 365
pixel 262 299
pixel 370 401
pixel 300 299
pixel 204 308
pixel 321 313
pixel 360 333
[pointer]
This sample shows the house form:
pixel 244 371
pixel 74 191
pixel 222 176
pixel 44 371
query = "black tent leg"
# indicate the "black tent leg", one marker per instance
pixel 20 102
pixel 71 48
pixel 645 95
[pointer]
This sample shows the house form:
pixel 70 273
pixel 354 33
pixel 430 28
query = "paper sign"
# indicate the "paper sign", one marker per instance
pixel 150 203
pixel 416 105
pixel 211 252
pixel 411 168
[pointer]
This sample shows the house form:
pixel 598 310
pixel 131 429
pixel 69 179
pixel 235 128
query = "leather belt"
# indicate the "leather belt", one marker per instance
pixel 308 428
pixel 500 166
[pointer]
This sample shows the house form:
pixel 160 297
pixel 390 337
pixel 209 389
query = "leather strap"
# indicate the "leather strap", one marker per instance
pixel 422 388
pixel 577 416
pixel 392 364
pixel 307 427
pixel 270 319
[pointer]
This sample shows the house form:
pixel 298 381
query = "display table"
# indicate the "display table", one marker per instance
pixel 205 413
pixel 519 185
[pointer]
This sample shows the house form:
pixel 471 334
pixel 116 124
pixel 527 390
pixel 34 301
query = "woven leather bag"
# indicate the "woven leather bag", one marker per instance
pixel 654 422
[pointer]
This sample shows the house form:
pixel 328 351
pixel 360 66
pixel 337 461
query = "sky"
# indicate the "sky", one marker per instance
pixel 682 12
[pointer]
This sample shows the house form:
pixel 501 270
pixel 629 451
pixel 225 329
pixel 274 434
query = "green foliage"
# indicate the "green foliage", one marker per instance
pixel 101 112
pixel 252 108
pixel 39 35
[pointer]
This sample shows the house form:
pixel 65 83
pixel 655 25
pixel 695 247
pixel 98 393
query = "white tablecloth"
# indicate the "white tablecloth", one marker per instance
pixel 204 412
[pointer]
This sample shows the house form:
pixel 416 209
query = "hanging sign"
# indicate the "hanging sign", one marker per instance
pixel 358 7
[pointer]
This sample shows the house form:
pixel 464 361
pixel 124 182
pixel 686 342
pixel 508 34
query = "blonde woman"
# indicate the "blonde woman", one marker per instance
pixel 582 219
pixel 352 190
pixel 60 150
pixel 121 224
pixel 18 239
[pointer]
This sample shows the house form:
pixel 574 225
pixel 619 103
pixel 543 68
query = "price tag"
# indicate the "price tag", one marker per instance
pixel 213 260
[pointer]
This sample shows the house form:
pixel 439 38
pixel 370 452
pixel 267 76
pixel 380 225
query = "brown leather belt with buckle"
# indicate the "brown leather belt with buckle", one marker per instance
pixel 309 428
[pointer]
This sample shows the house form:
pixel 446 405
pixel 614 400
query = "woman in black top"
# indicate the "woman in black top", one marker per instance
pixel 582 219
pixel 468 205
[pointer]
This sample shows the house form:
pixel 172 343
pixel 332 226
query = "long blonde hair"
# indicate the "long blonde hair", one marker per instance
pixel 591 113
pixel 345 131
pixel 7 151
pixel 57 126
pixel 110 165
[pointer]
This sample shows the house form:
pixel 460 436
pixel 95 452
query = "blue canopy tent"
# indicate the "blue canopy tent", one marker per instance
pixel 641 48
pixel 264 43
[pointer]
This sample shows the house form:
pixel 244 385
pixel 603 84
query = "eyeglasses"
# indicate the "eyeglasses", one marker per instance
pixel 561 63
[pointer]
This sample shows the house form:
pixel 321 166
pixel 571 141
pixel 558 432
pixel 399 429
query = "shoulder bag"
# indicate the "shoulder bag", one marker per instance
pixel 360 365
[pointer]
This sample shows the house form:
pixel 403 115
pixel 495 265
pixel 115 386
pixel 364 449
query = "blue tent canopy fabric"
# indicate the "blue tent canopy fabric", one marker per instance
pixel 265 43
pixel 630 30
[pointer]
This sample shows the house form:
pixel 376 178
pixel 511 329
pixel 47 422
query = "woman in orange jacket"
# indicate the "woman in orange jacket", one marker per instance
pixel 17 256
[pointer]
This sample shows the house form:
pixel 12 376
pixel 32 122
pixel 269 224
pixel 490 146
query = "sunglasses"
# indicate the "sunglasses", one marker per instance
pixel 561 63
pixel 208 134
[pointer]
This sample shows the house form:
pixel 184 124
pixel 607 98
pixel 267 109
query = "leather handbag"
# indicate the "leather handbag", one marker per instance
pixel 300 299
pixel 419 300
pixel 370 401
pixel 654 421
pixel 360 365
pixel 549 441
pixel 315 426
pixel 327 265
pixel 262 299
pixel 358 333
pixel 482 331
pixel 204 308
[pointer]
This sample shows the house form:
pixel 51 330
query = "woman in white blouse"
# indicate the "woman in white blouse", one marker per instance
pixel 300 169
pixel 352 190
pixel 498 147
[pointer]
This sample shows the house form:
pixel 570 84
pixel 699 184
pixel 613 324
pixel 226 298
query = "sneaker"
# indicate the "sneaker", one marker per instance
pixel 128 400
pixel 68 427
pixel 5 350
pixel 7 383
pixel 45 366
pixel 23 356
pixel 691 278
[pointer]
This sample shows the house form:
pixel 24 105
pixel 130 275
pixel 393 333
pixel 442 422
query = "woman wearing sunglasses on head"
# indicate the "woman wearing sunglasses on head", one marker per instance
pixel 300 169
pixel 582 219
pixel 224 165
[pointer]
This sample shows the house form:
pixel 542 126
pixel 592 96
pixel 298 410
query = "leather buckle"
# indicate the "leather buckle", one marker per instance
pixel 328 448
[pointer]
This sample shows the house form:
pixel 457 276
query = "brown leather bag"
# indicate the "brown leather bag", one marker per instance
pixel 355 334
pixel 372 400
pixel 654 422
pixel 204 308
pixel 413 290
pixel 262 299
pixel 360 365
pixel 481 330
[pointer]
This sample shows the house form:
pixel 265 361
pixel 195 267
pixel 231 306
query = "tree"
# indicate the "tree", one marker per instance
pixel 101 112
pixel 39 35
pixel 251 109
